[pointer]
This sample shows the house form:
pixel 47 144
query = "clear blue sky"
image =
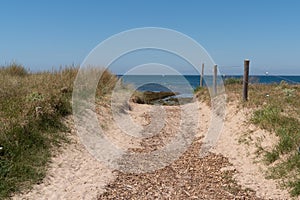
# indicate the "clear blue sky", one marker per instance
pixel 43 34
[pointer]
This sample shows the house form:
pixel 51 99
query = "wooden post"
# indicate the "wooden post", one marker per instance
pixel 202 74
pixel 215 80
pixel 246 79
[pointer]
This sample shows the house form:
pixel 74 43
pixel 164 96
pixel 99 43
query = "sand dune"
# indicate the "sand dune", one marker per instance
pixel 75 174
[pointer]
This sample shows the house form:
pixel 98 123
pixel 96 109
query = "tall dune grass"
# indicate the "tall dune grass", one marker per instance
pixel 32 106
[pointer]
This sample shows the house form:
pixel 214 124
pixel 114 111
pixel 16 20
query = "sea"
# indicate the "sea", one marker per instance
pixel 185 84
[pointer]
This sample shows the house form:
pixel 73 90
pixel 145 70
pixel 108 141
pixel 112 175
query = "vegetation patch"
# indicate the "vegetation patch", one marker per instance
pixel 231 80
pixel 277 110
pixel 281 116
pixel 32 106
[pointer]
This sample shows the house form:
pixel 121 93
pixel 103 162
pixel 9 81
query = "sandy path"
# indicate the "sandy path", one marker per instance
pixel 75 174
pixel 189 177
pixel 238 142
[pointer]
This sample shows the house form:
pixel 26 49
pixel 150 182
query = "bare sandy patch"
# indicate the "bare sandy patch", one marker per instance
pixel 239 142
pixel 73 174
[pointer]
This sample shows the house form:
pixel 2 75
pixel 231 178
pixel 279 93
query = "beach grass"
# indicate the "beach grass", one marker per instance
pixel 276 108
pixel 32 106
pixel 230 81
pixel 280 114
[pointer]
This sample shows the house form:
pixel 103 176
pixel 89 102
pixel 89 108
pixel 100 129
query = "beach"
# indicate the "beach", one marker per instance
pixel 230 170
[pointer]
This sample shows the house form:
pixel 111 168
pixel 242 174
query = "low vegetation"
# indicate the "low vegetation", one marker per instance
pixel 32 106
pixel 230 81
pixel 276 109
pixel 280 114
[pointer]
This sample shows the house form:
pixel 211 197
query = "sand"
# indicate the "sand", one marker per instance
pixel 238 142
pixel 75 174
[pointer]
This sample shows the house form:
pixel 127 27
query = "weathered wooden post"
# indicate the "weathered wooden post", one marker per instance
pixel 246 79
pixel 202 74
pixel 215 80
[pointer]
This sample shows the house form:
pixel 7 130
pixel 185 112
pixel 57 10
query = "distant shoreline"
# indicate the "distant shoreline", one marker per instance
pixel 187 83
pixel 226 75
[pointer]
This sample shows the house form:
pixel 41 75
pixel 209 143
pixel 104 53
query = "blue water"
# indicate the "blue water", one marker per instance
pixel 187 83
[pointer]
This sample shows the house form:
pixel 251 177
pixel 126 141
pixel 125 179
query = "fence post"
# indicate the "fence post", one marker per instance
pixel 215 80
pixel 202 74
pixel 246 79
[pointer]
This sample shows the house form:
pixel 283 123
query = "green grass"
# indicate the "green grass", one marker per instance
pixel 276 109
pixel 32 106
pixel 230 81
pixel 281 116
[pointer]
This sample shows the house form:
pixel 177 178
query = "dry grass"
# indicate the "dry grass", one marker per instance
pixel 276 108
pixel 31 108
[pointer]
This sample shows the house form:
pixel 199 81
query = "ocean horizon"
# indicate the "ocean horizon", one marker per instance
pixel 185 84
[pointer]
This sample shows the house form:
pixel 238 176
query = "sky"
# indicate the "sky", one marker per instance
pixel 44 34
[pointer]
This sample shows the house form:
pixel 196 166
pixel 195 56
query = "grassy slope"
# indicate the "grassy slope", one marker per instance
pixel 276 109
pixel 31 107
pixel 31 110
pixel 280 113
